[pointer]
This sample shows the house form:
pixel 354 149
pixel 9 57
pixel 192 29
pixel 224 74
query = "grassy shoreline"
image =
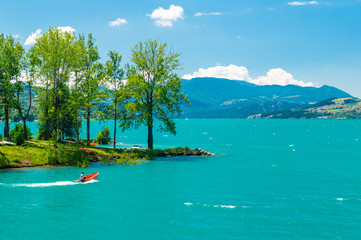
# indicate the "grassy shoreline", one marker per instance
pixel 43 153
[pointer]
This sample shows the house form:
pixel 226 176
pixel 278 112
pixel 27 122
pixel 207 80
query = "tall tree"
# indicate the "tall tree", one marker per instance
pixel 155 88
pixel 11 53
pixel 28 74
pixel 57 58
pixel 114 78
pixel 91 78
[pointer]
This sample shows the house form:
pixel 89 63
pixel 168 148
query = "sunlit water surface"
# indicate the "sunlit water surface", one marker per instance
pixel 270 179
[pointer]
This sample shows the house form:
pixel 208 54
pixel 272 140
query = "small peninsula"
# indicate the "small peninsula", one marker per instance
pixel 42 153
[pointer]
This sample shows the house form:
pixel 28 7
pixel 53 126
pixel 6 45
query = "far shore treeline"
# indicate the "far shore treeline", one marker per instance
pixel 61 81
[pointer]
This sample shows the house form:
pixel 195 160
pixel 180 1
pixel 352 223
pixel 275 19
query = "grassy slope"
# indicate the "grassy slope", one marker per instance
pixel 27 155
pixel 332 108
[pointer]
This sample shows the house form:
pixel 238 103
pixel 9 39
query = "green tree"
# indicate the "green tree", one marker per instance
pixel 115 90
pixel 57 57
pixel 155 88
pixel 17 134
pixel 103 136
pixel 92 75
pixel 11 53
pixel 28 69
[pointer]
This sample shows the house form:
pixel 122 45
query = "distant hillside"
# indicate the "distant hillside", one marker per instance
pixel 330 108
pixel 224 98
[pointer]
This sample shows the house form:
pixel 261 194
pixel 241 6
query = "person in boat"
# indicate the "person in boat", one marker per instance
pixel 82 177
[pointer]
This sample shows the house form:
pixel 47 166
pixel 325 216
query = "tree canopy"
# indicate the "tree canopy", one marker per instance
pixel 154 87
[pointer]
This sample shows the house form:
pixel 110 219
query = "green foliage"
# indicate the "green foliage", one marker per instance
pixel 55 56
pixel 67 155
pixel 17 134
pixel 114 90
pixel 154 87
pixel 11 54
pixel 123 158
pixel 91 73
pixel 103 136
pixel 4 161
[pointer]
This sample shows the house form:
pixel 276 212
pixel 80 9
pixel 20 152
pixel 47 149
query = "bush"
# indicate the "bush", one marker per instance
pixel 4 162
pixel 67 155
pixel 103 136
pixel 17 134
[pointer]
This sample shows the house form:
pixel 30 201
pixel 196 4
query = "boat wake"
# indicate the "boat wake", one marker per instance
pixel 210 205
pixel 51 184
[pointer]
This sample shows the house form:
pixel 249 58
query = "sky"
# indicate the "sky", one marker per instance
pixel 306 43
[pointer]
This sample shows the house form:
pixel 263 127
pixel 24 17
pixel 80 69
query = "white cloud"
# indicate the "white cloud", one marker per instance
pixel 166 17
pixel 198 14
pixel 276 76
pixel 67 29
pixel 32 38
pixel 232 72
pixel 117 22
pixel 297 3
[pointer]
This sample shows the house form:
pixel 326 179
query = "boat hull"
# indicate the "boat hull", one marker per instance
pixel 89 177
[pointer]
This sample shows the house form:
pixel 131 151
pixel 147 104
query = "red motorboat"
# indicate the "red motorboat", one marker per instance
pixel 89 177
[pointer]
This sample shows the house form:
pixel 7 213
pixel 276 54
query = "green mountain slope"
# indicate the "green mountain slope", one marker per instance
pixel 330 108
pixel 224 98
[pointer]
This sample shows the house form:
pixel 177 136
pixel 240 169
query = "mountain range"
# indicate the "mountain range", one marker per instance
pixel 224 98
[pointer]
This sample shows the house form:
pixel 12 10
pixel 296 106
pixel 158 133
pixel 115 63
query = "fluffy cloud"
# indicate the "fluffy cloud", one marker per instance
pixel 296 3
pixel 198 14
pixel 166 17
pixel 276 76
pixel 232 72
pixel 117 22
pixel 32 38
pixel 67 29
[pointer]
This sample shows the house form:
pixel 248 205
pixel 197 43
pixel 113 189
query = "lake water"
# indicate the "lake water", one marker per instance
pixel 270 179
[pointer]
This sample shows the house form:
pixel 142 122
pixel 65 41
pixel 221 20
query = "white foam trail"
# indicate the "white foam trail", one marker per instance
pixel 339 199
pixel 206 205
pixel 52 184
pixel 228 206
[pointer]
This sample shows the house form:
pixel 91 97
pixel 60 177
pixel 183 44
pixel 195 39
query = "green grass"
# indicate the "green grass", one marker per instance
pixel 26 155
pixel 41 153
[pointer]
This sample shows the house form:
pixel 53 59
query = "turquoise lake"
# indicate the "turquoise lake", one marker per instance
pixel 270 179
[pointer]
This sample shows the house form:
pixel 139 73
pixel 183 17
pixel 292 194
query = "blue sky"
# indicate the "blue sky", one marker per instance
pixel 265 42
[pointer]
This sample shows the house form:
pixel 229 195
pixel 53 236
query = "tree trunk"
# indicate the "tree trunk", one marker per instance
pixel 7 128
pixel 77 129
pixel 115 125
pixel 150 135
pixel 47 124
pixel 25 132
pixel 88 125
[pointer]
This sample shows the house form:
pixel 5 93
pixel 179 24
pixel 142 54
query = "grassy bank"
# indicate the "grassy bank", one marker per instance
pixel 43 153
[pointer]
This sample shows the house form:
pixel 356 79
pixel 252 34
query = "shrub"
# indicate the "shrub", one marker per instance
pixel 103 136
pixel 17 134
pixel 67 155
pixel 4 162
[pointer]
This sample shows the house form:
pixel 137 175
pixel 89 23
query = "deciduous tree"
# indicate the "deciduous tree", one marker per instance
pixel 155 88
pixel 114 80
pixel 11 53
